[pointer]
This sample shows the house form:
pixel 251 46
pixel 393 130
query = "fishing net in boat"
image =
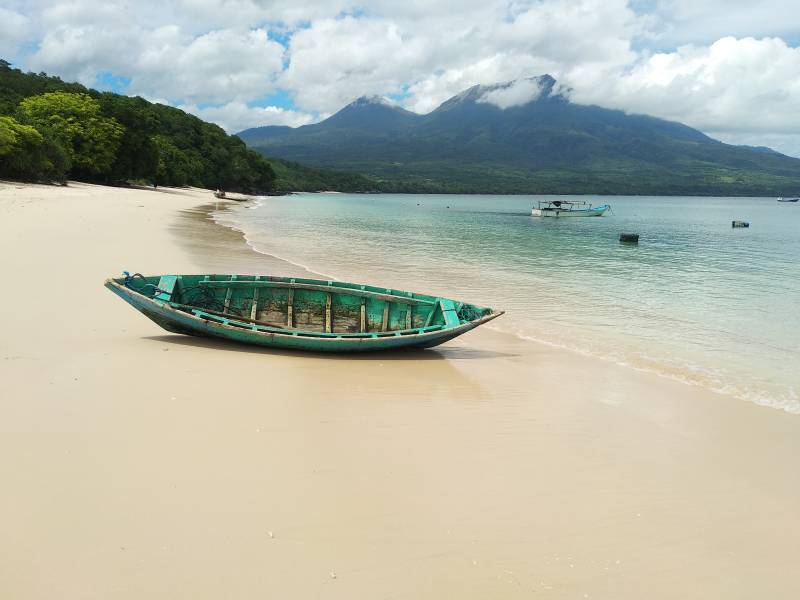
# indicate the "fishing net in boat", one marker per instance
pixel 468 312
pixel 203 298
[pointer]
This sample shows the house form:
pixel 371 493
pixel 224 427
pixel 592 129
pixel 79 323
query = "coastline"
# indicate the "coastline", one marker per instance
pixel 140 463
pixel 734 383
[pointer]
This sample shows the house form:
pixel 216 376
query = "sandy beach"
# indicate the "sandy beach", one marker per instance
pixel 140 464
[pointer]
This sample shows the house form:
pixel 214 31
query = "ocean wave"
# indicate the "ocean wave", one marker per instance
pixel 694 375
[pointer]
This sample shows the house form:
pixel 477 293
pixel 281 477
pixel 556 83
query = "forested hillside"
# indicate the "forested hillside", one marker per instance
pixel 51 130
pixel 545 145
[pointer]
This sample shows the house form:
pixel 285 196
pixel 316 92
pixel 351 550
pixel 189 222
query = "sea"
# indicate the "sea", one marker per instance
pixel 695 300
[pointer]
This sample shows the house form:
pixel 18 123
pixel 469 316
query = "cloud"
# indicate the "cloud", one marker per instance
pixel 518 93
pixel 435 53
pixel 337 60
pixel 723 66
pixel 732 86
pixel 678 22
pixel 14 28
pixel 215 67
pixel 236 116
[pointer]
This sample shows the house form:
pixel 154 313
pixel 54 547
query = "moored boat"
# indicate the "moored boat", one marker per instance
pixel 568 208
pixel 294 313
pixel 788 199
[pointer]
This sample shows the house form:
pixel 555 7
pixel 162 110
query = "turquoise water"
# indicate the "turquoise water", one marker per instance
pixel 696 300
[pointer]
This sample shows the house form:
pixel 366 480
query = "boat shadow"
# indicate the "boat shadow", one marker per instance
pixel 456 353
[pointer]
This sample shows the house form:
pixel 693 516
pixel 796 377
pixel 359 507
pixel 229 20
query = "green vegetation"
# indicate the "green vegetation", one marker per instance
pixel 76 123
pixel 294 177
pixel 26 154
pixel 51 130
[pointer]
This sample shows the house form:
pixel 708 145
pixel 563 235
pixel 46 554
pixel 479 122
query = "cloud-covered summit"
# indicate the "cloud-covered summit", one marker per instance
pixel 731 69
pixel 508 94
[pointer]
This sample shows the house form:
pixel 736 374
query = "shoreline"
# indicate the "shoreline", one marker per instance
pixel 208 211
pixel 139 463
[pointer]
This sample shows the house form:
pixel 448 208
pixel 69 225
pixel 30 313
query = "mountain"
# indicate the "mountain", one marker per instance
pixel 526 136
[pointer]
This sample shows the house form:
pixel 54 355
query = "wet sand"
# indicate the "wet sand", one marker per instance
pixel 141 464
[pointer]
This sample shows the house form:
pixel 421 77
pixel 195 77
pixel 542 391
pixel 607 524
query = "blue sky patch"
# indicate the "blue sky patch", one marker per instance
pixel 106 81
pixel 279 98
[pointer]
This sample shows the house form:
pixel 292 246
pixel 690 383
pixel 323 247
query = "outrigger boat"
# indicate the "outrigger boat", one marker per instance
pixel 301 314
pixel 568 208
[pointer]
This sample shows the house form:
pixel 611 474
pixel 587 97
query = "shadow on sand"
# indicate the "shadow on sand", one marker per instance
pixel 429 354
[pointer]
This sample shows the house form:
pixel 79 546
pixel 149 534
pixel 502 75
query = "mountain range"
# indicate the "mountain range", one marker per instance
pixel 525 136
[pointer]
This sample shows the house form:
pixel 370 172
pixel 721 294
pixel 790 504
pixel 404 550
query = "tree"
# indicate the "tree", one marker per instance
pixel 137 156
pixel 27 154
pixel 75 121
pixel 174 167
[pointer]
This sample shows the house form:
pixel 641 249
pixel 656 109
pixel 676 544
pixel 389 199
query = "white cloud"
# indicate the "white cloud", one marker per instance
pixel 14 28
pixel 519 92
pixel 337 60
pixel 720 65
pixel 215 67
pixel 454 46
pixel 732 86
pixel 679 22
pixel 236 116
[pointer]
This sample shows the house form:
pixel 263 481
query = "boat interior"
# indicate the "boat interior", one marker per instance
pixel 322 307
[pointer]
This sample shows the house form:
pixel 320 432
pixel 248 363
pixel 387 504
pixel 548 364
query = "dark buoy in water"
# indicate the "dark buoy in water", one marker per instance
pixel 740 224
pixel 629 238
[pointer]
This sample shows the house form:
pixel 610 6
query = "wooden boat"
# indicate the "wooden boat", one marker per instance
pixel 568 208
pixel 302 314
pixel 788 199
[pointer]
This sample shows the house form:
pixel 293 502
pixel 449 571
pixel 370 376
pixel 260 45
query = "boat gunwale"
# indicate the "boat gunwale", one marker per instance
pixel 322 286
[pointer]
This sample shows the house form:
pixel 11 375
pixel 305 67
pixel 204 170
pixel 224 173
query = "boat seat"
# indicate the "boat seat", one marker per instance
pixel 167 285
pixel 450 314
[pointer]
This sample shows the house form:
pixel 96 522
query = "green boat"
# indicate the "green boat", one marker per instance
pixel 298 314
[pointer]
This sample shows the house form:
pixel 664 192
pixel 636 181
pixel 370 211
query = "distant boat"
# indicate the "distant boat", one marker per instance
pixel 569 208
pixel 298 314
pixel 788 199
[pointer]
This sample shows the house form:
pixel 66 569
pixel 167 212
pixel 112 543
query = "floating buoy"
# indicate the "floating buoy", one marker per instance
pixel 631 238
pixel 740 224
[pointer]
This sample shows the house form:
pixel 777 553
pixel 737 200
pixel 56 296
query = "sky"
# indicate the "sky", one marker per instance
pixel 730 68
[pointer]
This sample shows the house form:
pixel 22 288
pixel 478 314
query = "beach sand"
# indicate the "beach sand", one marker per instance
pixel 140 464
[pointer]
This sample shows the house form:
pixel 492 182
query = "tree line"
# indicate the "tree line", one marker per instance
pixel 51 130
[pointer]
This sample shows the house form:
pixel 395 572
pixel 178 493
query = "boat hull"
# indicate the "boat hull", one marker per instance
pixel 597 211
pixel 172 319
